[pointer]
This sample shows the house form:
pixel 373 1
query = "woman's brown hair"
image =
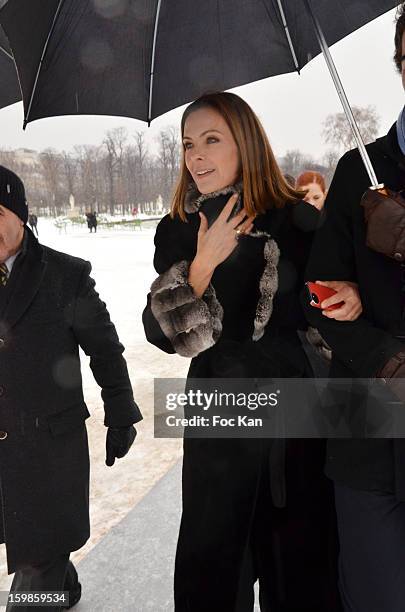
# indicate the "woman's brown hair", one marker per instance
pixel 264 185
pixel 399 32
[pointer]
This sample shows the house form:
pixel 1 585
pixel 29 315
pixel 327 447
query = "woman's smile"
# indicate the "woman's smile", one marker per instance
pixel 203 173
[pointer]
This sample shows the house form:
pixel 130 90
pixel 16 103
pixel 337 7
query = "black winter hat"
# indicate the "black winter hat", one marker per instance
pixel 12 193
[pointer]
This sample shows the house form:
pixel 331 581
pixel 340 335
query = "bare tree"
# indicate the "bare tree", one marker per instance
pixel 294 162
pixel 69 164
pixel 330 161
pixel 51 166
pixel 114 143
pixel 141 159
pixel 89 189
pixel 169 156
pixel 291 162
pixel 173 144
pixel 337 131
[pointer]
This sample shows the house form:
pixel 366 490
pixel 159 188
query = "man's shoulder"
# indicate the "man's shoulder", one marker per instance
pixel 353 158
pixel 379 150
pixel 64 260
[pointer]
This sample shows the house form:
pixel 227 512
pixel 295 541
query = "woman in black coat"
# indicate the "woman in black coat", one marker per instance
pixel 230 259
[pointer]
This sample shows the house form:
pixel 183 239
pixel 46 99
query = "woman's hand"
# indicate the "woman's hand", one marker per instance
pixel 348 293
pixel 216 243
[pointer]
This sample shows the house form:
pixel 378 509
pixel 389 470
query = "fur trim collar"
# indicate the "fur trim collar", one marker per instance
pixel 194 198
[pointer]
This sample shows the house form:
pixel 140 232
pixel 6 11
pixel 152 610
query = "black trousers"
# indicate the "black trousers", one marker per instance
pixel 292 554
pixel 56 575
pixel 232 533
pixel 372 550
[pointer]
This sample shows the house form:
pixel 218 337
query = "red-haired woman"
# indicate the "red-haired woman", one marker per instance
pixel 314 185
pixel 230 258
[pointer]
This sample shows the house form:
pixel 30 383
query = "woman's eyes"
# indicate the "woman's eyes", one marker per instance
pixel 210 140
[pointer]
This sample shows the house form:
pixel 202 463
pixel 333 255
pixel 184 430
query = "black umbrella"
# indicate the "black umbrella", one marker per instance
pixel 141 58
pixel 10 89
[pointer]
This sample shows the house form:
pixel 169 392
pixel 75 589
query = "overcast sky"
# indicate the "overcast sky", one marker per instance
pixel 291 107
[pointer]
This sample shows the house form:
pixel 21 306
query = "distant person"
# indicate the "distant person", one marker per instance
pixel 88 215
pixel 135 211
pixel 48 309
pixel 314 184
pixel 33 223
pixel 92 221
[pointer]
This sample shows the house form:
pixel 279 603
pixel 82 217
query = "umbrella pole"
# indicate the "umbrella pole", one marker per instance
pixel 288 36
pixel 343 98
pixel 152 66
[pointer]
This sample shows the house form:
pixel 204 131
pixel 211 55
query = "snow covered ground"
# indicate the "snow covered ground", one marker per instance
pixel 122 268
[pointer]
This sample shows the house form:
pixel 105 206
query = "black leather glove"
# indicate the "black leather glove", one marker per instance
pixel 119 441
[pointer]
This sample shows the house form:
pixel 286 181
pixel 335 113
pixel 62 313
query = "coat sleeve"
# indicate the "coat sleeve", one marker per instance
pixel 153 331
pixel 97 336
pixel 359 345
pixel 175 319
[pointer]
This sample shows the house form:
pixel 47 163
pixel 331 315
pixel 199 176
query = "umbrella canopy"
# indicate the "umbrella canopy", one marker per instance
pixel 10 89
pixel 142 58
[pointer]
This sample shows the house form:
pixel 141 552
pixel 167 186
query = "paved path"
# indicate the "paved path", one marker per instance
pixel 131 569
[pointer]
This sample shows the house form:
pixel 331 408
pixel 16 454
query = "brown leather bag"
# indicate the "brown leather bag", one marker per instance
pixel 384 212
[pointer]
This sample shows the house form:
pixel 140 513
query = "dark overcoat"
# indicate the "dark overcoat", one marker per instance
pixel 48 309
pixel 245 325
pixel 362 347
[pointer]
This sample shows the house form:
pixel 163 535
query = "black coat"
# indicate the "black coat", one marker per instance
pixel 221 477
pixel 361 347
pixel 48 309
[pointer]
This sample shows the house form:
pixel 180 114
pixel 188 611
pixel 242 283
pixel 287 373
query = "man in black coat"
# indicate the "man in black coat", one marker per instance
pixel 48 309
pixel 369 475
